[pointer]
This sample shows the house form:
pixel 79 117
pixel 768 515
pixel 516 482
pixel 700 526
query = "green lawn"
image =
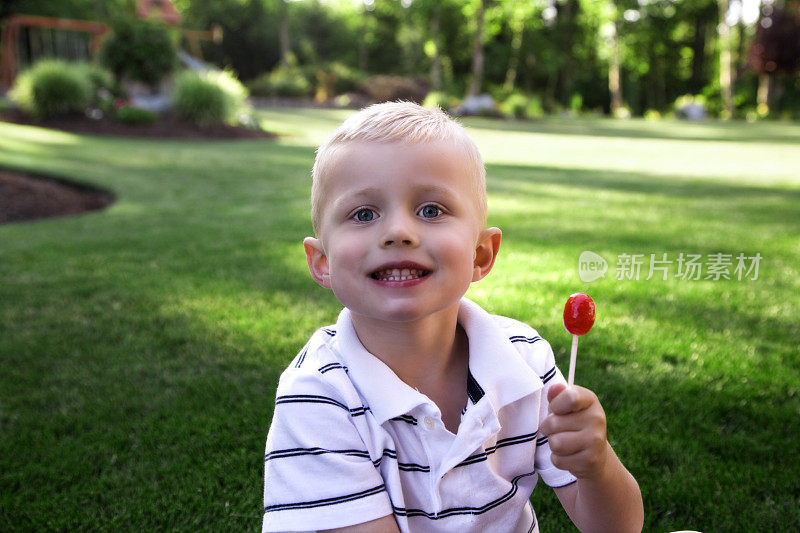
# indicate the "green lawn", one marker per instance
pixel 140 346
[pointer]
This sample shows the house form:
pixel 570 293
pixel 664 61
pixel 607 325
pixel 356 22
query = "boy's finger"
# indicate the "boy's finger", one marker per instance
pixel 571 399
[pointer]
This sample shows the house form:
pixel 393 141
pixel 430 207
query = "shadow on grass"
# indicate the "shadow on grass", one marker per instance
pixel 508 179
pixel 705 459
pixel 711 131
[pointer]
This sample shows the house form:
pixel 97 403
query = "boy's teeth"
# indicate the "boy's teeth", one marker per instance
pixel 397 274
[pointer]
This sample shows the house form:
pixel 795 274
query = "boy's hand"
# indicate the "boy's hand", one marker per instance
pixel 576 430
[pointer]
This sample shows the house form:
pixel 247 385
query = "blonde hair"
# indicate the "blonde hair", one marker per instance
pixel 403 122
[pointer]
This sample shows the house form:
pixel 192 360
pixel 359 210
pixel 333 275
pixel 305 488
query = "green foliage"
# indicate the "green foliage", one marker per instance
pixel 51 88
pixel 664 51
pixel 334 78
pixel 534 109
pixel 209 98
pixel 576 103
pixel 141 50
pixel 515 105
pixel 102 82
pixel 283 81
pixel 441 100
pixel 135 116
pixel 652 114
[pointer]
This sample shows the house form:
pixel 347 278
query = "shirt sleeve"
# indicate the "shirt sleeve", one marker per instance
pixel 317 471
pixel 550 474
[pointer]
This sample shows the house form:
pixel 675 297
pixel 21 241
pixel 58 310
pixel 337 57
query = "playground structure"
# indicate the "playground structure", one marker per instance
pixel 64 38
pixel 27 38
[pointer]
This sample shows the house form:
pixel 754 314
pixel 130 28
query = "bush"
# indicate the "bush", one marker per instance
pixel 390 88
pixel 141 50
pixel 576 103
pixel 51 88
pixel 652 114
pixel 211 97
pixel 441 100
pixel 133 116
pixel 285 82
pixel 534 109
pixel 333 79
pixel 515 105
pixel 103 86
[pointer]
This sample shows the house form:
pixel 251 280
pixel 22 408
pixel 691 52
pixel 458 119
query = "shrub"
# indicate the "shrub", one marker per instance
pixel 332 79
pixel 133 116
pixel 652 114
pixel 534 109
pixel 286 82
pixel 438 99
pixel 390 88
pixel 576 103
pixel 515 105
pixel 103 86
pixel 141 50
pixel 211 97
pixel 51 88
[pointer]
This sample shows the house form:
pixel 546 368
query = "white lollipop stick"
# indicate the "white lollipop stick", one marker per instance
pixel 572 356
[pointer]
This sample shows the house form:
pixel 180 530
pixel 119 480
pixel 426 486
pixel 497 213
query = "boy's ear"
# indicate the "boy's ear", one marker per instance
pixel 317 261
pixel 486 252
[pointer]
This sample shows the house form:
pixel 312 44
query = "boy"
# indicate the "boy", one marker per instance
pixel 419 411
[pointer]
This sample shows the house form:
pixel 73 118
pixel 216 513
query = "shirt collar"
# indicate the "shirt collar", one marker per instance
pixel 499 371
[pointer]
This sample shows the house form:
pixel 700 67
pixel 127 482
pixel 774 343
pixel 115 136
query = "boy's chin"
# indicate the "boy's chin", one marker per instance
pixel 400 313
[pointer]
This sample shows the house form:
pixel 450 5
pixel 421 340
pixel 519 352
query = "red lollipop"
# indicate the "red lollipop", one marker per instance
pixel 578 319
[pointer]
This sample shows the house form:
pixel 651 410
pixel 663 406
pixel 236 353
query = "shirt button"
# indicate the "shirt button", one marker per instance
pixel 428 423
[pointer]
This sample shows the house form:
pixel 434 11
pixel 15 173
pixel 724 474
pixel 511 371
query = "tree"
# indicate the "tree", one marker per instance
pixel 477 50
pixel 518 14
pixel 776 48
pixel 725 68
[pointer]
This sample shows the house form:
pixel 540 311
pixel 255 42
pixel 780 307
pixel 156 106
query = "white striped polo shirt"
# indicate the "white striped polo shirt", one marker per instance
pixel 350 442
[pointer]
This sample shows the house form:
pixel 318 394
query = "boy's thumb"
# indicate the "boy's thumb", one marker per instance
pixel 554 391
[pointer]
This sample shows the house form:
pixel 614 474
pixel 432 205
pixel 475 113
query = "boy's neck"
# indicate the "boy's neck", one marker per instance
pixel 424 354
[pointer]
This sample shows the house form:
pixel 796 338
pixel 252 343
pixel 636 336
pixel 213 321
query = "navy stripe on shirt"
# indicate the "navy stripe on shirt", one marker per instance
pixel 311 398
pixel 550 374
pixel 445 513
pixel 332 366
pixel 326 501
pixel 529 340
pixel 510 441
pixel 408 419
pixel 474 391
pixel 294 452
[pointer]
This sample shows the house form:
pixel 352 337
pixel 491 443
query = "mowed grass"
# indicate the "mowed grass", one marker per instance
pixel 140 346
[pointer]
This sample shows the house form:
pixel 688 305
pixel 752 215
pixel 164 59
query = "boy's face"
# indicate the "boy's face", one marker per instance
pixel 400 233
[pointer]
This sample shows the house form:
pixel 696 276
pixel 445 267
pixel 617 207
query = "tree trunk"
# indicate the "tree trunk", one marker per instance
pixel 513 60
pixel 764 82
pixel 567 25
pixel 614 76
pixel 725 74
pixel 698 80
pixel 477 53
pixel 436 60
pixel 284 35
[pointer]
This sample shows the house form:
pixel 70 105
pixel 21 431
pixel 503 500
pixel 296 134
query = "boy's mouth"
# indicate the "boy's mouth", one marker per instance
pixel 400 273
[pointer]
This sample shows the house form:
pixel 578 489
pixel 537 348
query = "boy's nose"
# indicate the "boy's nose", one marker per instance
pixel 399 233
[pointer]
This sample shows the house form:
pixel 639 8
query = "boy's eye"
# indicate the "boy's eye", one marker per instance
pixel 430 211
pixel 364 215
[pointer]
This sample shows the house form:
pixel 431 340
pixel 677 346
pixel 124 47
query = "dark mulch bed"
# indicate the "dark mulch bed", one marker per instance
pixel 24 197
pixel 167 127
